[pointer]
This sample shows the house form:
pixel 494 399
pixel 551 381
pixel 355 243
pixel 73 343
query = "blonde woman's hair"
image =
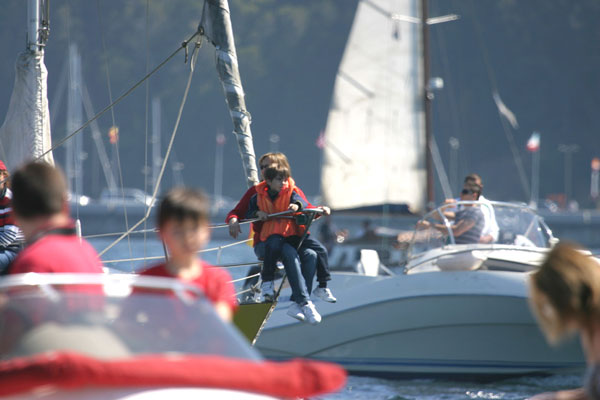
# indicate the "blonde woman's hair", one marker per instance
pixel 565 291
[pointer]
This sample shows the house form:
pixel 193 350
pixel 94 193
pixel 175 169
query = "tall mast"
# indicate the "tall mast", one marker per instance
pixel 156 140
pixel 427 97
pixel 33 23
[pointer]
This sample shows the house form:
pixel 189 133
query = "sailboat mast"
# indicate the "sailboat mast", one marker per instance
pixel 427 97
pixel 33 23
pixel 156 140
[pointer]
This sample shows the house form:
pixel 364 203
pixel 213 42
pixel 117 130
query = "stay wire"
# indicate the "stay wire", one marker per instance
pixel 146 166
pixel 493 83
pixel 114 121
pixel 120 98
pixel 194 59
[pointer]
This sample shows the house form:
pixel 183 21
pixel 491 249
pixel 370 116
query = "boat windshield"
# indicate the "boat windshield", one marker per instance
pixel 111 316
pixel 518 225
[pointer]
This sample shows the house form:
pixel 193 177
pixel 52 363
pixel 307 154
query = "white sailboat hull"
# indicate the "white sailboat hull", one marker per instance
pixel 449 323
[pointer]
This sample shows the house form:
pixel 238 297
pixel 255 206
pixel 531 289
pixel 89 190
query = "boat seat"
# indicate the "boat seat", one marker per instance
pixel 95 341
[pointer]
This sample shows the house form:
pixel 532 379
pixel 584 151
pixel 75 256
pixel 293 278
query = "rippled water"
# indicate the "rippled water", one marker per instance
pixel 428 389
pixel 361 387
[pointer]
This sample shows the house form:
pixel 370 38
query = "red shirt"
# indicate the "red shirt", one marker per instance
pixel 241 209
pixel 60 253
pixel 57 253
pixel 215 282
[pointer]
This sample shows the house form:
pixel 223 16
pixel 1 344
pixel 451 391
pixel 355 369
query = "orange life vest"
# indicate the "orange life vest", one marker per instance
pixel 280 226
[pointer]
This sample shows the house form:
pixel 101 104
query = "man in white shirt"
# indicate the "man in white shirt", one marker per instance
pixel 489 233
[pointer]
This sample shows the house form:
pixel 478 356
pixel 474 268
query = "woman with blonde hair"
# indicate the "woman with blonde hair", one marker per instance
pixel 565 297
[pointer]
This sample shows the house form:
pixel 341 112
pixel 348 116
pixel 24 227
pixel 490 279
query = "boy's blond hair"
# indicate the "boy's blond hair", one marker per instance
pixel 183 203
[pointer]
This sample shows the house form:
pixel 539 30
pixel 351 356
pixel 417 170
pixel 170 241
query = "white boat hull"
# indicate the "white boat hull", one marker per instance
pixel 430 323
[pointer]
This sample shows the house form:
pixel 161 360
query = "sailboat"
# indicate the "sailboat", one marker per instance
pixel 374 151
pixel 117 338
pixel 377 158
pixel 447 309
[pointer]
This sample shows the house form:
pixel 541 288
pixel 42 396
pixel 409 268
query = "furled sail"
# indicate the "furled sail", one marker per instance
pixel 25 133
pixel 216 26
pixel 374 150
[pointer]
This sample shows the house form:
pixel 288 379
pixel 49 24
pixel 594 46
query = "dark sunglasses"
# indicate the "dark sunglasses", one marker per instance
pixel 467 191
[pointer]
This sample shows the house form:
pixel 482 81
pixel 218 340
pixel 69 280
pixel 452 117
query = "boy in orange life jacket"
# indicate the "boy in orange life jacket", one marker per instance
pixel 277 193
pixel 183 225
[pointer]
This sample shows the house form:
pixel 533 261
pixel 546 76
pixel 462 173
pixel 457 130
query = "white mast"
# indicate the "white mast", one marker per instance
pixel 156 124
pixel 97 136
pixel 33 24
pixel 218 189
pixel 74 147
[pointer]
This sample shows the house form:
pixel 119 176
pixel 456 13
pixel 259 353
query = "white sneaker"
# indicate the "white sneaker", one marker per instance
pixel 311 314
pixel 266 289
pixel 324 294
pixel 295 311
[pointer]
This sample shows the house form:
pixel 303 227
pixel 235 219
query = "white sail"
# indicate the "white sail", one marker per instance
pixel 25 133
pixel 375 136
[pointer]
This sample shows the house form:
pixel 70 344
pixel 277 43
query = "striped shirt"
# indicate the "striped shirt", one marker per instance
pixel 10 234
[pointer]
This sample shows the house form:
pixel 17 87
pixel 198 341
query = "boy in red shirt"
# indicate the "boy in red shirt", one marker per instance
pixel 183 224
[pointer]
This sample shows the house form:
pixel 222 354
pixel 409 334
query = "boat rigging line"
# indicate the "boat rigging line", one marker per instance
pixel 112 112
pixel 193 60
pixel 183 46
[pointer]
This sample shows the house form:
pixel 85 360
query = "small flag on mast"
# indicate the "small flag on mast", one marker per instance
pixel 533 144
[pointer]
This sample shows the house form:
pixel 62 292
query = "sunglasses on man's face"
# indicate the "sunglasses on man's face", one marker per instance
pixel 467 191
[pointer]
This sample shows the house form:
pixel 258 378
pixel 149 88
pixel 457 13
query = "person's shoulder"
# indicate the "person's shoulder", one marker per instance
pixel 213 271
pixel 476 211
pixel 484 199
pixel 251 190
pixel 26 261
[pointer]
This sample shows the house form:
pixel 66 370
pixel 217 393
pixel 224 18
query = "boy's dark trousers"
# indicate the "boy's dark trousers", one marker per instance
pixel 323 274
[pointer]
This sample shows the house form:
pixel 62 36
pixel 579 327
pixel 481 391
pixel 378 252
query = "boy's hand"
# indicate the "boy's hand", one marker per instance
pixel 234 227
pixel 293 207
pixel 262 215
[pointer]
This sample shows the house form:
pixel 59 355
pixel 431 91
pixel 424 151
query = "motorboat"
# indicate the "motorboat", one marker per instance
pixel 452 309
pixel 122 336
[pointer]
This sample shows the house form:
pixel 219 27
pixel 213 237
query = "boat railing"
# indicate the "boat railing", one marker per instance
pixel 246 286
